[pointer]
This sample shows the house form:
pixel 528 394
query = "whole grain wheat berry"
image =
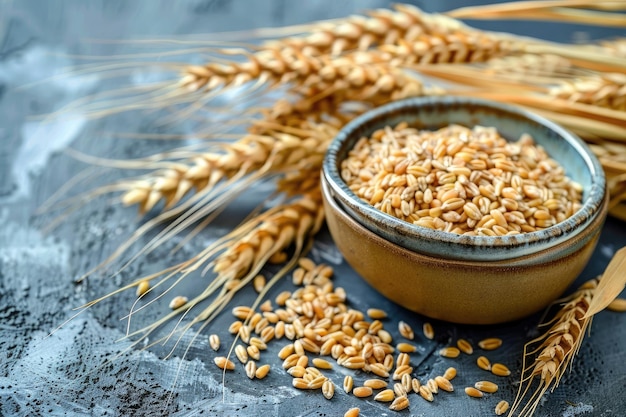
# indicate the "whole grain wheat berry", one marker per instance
pixel 460 180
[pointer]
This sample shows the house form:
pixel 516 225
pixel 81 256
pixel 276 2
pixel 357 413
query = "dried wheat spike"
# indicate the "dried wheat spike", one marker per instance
pixel 605 90
pixel 361 33
pixel 267 149
pixel 554 350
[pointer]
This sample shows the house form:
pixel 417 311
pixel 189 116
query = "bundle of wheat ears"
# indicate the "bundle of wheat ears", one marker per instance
pixel 328 73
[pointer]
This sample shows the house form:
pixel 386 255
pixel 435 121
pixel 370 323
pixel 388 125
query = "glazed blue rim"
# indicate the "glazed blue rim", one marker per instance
pixel 461 247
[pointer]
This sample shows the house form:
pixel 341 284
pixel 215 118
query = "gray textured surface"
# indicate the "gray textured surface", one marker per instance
pixel 66 373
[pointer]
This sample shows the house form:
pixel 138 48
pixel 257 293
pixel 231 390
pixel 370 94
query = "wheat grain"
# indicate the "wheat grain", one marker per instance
pixel 500 370
pixel 473 392
pixel 224 363
pixel 400 403
pixel 491 343
pixel 450 352
pixel 486 386
pixel 450 374
pixel 385 396
pixel 605 90
pixel 501 408
pixel 352 412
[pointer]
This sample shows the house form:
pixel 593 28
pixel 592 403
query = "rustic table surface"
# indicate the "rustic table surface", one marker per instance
pixel 67 373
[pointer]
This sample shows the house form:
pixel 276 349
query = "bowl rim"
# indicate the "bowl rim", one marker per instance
pixel 471 247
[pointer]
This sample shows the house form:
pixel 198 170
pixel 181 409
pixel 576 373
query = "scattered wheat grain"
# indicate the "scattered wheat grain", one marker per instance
pixel 224 363
pixel 491 343
pixel 486 386
pixel 178 301
pixel 450 352
pixel 502 407
pixel 500 370
pixel 473 392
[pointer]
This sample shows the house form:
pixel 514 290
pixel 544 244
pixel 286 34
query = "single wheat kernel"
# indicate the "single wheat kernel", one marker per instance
pixel 286 351
pixel 307 264
pixel 406 347
pixel 250 369
pixel 379 369
pixel 444 384
pixel 234 327
pixel 300 383
pixel 282 298
pixel 262 371
pixel 178 301
pixel 450 373
pixel 399 389
pixel 473 392
pixel 618 305
pixel 486 386
pixel 302 361
pixel 241 353
pixel 500 370
pixel 376 314
pixel 290 361
pixel 260 325
pixel 416 384
pixel 317 382
pixel 406 381
pixel 279 329
pixel 502 407
pixel 143 287
pixel 384 335
pixel 432 386
pixel 322 363
pixel 255 341
pixel 354 362
pixel 256 318
pixel 309 345
pixel 450 352
pixel 348 383
pixel 403 359
pixel 268 334
pixel 242 312
pixel 465 346
pixel 258 283
pixel 353 412
pixel 426 394
pixel 362 392
pixel 483 363
pixel 385 396
pixel 224 363
pixel 375 383
pixel 428 330
pixel 490 344
pixel 214 342
pixel 400 403
pixel 405 330
pixel 244 333
pixel 296 371
pixel 328 389
pixel 400 371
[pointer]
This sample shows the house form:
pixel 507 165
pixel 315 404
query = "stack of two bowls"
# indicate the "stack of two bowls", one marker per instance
pixel 456 277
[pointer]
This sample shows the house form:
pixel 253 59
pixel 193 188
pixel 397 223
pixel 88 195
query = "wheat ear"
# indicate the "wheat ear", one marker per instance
pixel 603 90
pixel 554 350
pixel 235 260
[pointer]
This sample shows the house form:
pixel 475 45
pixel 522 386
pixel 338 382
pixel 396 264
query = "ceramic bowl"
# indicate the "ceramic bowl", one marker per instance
pixel 465 279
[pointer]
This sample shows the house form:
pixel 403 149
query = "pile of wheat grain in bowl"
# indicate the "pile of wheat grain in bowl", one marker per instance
pixel 461 180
